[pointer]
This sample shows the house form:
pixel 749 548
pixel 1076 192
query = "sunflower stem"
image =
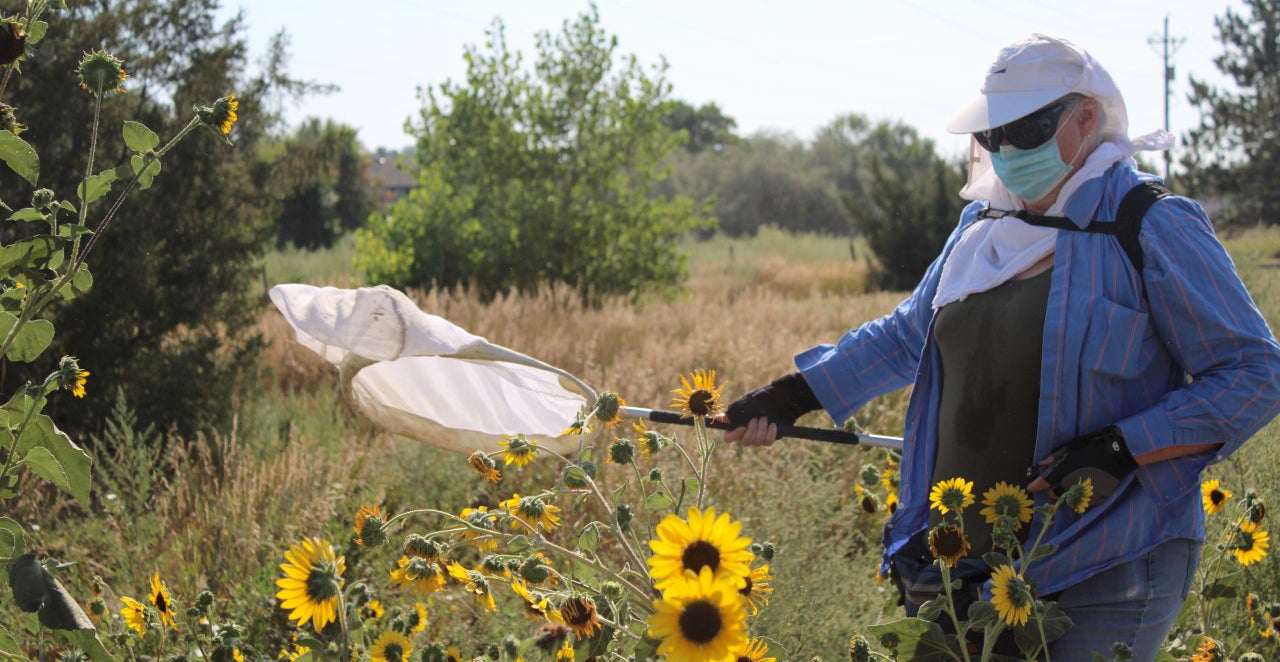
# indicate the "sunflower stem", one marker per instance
pixel 950 608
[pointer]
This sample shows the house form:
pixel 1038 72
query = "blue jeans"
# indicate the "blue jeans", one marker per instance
pixel 1135 603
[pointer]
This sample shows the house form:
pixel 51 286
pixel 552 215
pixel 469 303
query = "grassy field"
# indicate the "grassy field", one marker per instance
pixel 218 512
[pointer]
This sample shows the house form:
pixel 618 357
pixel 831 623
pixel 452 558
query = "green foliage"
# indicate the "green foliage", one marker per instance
pixel 530 178
pixel 910 206
pixel 1234 154
pixel 171 322
pixel 704 127
pixel 320 170
pixel 767 179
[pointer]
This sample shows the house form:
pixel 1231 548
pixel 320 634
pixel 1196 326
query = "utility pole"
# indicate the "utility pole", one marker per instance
pixel 1165 42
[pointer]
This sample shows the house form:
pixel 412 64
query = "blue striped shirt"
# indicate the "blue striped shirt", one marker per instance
pixel 1192 362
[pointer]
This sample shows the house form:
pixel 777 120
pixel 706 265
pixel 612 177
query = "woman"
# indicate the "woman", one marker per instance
pixel 1040 355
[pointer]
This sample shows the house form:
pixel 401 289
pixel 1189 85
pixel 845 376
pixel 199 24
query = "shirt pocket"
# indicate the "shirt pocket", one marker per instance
pixel 1119 343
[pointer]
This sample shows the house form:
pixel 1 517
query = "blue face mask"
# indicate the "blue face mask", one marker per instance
pixel 1031 173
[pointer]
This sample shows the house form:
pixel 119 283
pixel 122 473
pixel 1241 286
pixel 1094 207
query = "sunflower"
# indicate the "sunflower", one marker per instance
pixel 484 466
pixel 753 650
pixel 391 646
pixel 372 610
pixel 532 511
pixel 135 615
pixel 1079 496
pixel 1008 500
pixel 81 378
pixel 311 583
pixel 453 655
pixel 475 582
pixel 224 110
pixel 706 621
pixel 704 541
pixel 1208 652
pixel 478 518
pixel 1251 607
pixel 162 601
pixel 755 593
pixel 650 442
pixel 954 494
pixel 566 652
pixel 1250 543
pixel 891 503
pixel 417 618
pixel 609 409
pixel 518 450
pixel 423 575
pixel 371 526
pixel 1011 595
pixel 1213 496
pixel 579 613
pixel 700 397
pixel 948 543
pixel 533 606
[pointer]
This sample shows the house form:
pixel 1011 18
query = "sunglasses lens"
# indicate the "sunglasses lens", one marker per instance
pixel 1035 129
pixel 1025 133
pixel 990 139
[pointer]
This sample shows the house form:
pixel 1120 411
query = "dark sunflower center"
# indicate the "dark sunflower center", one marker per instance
pixel 1246 542
pixel 949 542
pixel 700 402
pixel 701 554
pixel 746 590
pixel 744 658
pixel 393 653
pixel 162 605
pixel 1217 497
pixel 322 583
pixel 700 622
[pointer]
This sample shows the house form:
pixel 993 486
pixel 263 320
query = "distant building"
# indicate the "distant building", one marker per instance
pixel 392 182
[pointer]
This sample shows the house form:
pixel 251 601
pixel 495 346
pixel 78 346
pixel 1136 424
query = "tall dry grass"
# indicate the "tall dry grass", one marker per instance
pixel 299 463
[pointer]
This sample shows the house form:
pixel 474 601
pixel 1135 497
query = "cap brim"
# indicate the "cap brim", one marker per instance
pixel 997 108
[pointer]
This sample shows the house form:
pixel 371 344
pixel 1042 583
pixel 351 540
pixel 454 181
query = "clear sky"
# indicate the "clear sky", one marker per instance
pixel 783 65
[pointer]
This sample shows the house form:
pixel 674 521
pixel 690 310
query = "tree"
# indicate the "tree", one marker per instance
pixel 705 127
pixel 321 170
pixel 911 203
pixel 171 309
pixel 530 178
pixel 766 179
pixel 1234 153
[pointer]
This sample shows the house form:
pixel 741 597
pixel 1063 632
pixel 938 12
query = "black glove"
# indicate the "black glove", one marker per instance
pixel 1102 457
pixel 782 401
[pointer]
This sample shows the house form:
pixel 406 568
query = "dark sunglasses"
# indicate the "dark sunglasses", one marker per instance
pixel 1025 132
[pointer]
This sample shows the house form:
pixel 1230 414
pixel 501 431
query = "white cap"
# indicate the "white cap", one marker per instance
pixel 1030 74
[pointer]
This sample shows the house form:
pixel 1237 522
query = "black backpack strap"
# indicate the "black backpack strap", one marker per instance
pixel 1133 207
pixel 1126 227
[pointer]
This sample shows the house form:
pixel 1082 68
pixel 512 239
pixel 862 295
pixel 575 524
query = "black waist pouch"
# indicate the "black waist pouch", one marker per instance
pixel 919 579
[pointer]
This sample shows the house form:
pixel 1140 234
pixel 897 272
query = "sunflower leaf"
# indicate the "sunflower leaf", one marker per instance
pixel 918 639
pixel 930 610
pixel 51 454
pixel 1041 551
pixel 1219 589
pixel 96 186
pixel 87 641
pixel 33 338
pixel 658 501
pixel 20 156
pixel 13 543
pixel 996 559
pixel 982 615
pixel 9 646
pixel 139 138
pixel 589 539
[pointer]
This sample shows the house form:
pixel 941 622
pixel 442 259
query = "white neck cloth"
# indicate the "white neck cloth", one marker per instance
pixel 993 251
